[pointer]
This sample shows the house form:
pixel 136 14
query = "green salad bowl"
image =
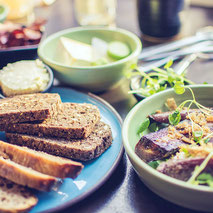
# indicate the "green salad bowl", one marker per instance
pixel 90 78
pixel 179 192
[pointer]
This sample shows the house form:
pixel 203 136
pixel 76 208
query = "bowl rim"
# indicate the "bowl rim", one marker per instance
pixel 132 155
pixel 131 35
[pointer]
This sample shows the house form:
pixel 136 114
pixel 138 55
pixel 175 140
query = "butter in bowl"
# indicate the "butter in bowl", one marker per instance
pixel 24 77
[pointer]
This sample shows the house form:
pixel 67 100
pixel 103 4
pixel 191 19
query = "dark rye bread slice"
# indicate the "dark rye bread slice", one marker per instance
pixel 25 176
pixel 40 161
pixel 80 149
pixel 15 198
pixel 30 107
pixel 73 121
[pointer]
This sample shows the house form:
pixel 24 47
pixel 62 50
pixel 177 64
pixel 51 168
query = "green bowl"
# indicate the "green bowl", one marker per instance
pixel 176 191
pixel 3 12
pixel 96 78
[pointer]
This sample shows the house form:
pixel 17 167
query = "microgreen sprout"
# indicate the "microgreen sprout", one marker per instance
pixel 158 80
pixel 199 169
pixel 175 117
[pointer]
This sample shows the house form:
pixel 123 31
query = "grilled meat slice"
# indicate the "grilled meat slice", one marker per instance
pixel 182 169
pixel 164 116
pixel 157 145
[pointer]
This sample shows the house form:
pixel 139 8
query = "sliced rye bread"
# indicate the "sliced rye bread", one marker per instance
pixel 79 149
pixel 31 107
pixel 25 176
pixel 73 121
pixel 15 198
pixel 40 161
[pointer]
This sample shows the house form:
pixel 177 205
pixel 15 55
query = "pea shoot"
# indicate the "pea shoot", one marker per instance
pixel 158 80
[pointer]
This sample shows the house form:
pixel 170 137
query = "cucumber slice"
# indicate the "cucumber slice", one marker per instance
pixel 118 50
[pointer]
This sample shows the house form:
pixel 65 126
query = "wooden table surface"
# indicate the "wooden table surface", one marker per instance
pixel 124 192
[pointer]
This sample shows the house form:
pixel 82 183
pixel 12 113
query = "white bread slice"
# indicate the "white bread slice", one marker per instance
pixel 15 198
pixel 40 161
pixel 25 176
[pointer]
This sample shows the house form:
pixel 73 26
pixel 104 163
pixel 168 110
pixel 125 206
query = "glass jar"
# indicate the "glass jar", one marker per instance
pixel 160 19
pixel 95 12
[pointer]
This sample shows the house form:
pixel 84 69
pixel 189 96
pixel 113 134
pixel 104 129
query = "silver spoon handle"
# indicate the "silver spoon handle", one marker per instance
pixel 150 66
pixel 180 67
pixel 199 47
pixel 147 52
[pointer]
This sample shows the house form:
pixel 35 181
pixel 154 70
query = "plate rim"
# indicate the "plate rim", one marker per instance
pixel 109 172
pixel 19 48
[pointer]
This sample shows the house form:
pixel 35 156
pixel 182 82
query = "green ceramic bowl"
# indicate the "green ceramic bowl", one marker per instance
pixel 3 12
pixel 96 78
pixel 176 191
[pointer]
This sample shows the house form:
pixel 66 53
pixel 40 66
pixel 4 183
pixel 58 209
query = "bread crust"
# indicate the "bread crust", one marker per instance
pixel 73 121
pixel 31 107
pixel 40 161
pixel 15 198
pixel 25 176
pixel 79 149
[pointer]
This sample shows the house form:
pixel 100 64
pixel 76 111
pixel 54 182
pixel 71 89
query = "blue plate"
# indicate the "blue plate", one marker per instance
pixel 96 171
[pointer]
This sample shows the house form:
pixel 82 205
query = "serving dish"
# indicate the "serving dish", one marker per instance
pixel 91 78
pixel 14 54
pixel 179 192
pixel 19 42
pixel 96 171
pixel 49 85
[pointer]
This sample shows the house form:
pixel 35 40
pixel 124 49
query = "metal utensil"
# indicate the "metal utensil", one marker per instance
pixel 204 34
pixel 149 66
pixel 204 46
pixel 180 67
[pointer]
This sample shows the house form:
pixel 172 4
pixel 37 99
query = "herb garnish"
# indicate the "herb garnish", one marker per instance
pixel 158 80
pixel 199 169
pixel 205 179
pixel 175 117
pixel 144 125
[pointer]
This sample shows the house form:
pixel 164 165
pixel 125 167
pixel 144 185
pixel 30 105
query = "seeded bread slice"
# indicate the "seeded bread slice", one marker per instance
pixel 29 107
pixel 25 176
pixel 73 121
pixel 80 149
pixel 40 161
pixel 15 198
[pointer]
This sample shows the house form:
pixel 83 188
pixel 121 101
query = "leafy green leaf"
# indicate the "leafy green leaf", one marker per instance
pixel 144 125
pixel 179 87
pixel 133 66
pixel 154 164
pixel 197 135
pixel 206 140
pixel 168 64
pixel 185 151
pixel 174 118
pixel 205 82
pixel 205 178
pixel 153 127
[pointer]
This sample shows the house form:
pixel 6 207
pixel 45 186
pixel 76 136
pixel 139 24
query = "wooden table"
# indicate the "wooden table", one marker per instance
pixel 124 192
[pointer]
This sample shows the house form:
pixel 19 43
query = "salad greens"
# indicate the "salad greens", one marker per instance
pixel 198 176
pixel 175 117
